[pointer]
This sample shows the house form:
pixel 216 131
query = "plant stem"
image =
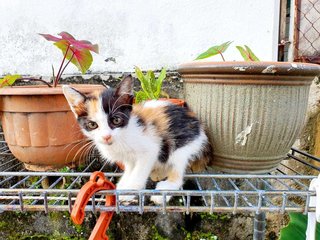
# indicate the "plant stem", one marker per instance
pixel 55 82
pixel 222 57
pixel 34 79
pixel 65 67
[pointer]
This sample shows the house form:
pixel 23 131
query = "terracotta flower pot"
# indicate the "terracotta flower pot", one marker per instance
pixel 254 110
pixel 39 127
pixel 177 101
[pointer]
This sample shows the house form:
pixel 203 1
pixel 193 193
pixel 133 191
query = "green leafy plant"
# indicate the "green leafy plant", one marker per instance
pixel 245 52
pixel 297 227
pixel 150 85
pixel 77 52
pixel 8 80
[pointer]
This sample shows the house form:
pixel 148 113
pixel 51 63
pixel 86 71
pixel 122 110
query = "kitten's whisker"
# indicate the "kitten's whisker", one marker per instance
pixel 112 110
pixel 82 148
pixel 122 105
pixel 76 145
pixel 86 153
pixel 90 153
pixel 124 114
pixel 109 110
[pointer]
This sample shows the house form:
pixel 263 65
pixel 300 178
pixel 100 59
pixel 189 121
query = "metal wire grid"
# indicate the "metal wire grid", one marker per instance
pixel 307 31
pixel 286 189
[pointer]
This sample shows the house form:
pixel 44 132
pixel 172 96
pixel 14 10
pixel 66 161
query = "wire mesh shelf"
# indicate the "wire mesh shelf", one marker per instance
pixel 285 189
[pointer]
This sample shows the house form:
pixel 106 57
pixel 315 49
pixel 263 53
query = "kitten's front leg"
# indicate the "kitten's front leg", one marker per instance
pixel 136 179
pixel 128 167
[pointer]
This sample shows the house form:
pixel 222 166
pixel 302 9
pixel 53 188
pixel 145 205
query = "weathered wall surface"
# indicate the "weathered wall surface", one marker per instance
pixel 149 34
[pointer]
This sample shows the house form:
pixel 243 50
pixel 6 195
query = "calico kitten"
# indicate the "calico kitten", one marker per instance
pixel 156 138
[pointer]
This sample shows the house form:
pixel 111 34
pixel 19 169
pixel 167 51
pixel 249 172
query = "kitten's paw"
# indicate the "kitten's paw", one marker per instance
pixel 158 200
pixel 127 200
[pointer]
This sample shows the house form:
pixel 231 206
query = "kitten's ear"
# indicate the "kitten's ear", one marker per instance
pixel 75 99
pixel 125 87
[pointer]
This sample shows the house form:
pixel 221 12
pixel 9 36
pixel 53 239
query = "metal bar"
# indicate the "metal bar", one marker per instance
pixel 78 178
pixel 256 189
pixel 151 192
pixel 291 169
pixel 200 188
pixel 305 163
pixel 297 6
pixel 238 190
pixel 40 207
pixel 259 226
pixel 304 154
pixel 20 182
pixel 210 176
pixel 8 161
pixel 219 189
pixel 296 181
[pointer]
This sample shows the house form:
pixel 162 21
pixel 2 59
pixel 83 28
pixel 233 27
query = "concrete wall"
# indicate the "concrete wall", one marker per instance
pixel 147 33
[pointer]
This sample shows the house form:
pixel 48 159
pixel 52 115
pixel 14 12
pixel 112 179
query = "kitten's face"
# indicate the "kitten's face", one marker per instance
pixel 102 116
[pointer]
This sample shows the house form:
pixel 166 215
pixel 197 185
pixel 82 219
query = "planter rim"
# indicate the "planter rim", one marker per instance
pixel 45 90
pixel 249 68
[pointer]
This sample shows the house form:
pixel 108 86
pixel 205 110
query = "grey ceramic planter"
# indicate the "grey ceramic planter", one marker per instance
pixel 254 110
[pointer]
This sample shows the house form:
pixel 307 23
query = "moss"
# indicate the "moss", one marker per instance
pixel 44 237
pixel 156 235
pixel 199 235
pixel 3 225
pixel 214 216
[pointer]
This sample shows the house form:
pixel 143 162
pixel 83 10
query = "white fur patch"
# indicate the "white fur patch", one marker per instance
pixel 156 103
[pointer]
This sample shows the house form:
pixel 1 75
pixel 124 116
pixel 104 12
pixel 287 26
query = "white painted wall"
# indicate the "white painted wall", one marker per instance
pixel 146 33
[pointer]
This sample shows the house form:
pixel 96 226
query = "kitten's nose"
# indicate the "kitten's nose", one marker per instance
pixel 107 139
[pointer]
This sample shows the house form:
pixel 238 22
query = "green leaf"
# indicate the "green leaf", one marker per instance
pixel 81 58
pixel 251 54
pixel 247 53
pixel 152 82
pixel 9 80
pixel 141 96
pixel 159 82
pixel 149 79
pixel 296 229
pixel 145 82
pixel 219 49
pixel 151 86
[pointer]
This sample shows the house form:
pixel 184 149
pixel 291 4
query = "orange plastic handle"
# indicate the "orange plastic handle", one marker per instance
pixel 96 183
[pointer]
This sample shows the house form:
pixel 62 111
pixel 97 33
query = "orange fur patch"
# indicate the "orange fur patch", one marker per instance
pixel 92 106
pixel 159 174
pixel 80 109
pixel 155 116
pixel 173 175
pixel 93 103
pixel 191 114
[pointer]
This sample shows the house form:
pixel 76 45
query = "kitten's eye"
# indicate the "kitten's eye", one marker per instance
pixel 116 121
pixel 92 125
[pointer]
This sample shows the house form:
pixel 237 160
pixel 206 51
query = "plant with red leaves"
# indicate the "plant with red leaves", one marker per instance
pixel 78 52
pixel 75 51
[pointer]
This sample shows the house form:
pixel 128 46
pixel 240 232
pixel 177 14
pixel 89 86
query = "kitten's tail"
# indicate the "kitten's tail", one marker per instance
pixel 203 160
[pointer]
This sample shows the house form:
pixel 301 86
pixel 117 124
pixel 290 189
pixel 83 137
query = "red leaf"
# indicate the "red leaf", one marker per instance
pixel 50 37
pixel 66 36
pixel 76 44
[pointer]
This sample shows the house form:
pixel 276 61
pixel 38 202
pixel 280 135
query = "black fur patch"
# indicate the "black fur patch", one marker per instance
pixel 83 122
pixel 164 151
pixel 183 126
pixel 117 106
